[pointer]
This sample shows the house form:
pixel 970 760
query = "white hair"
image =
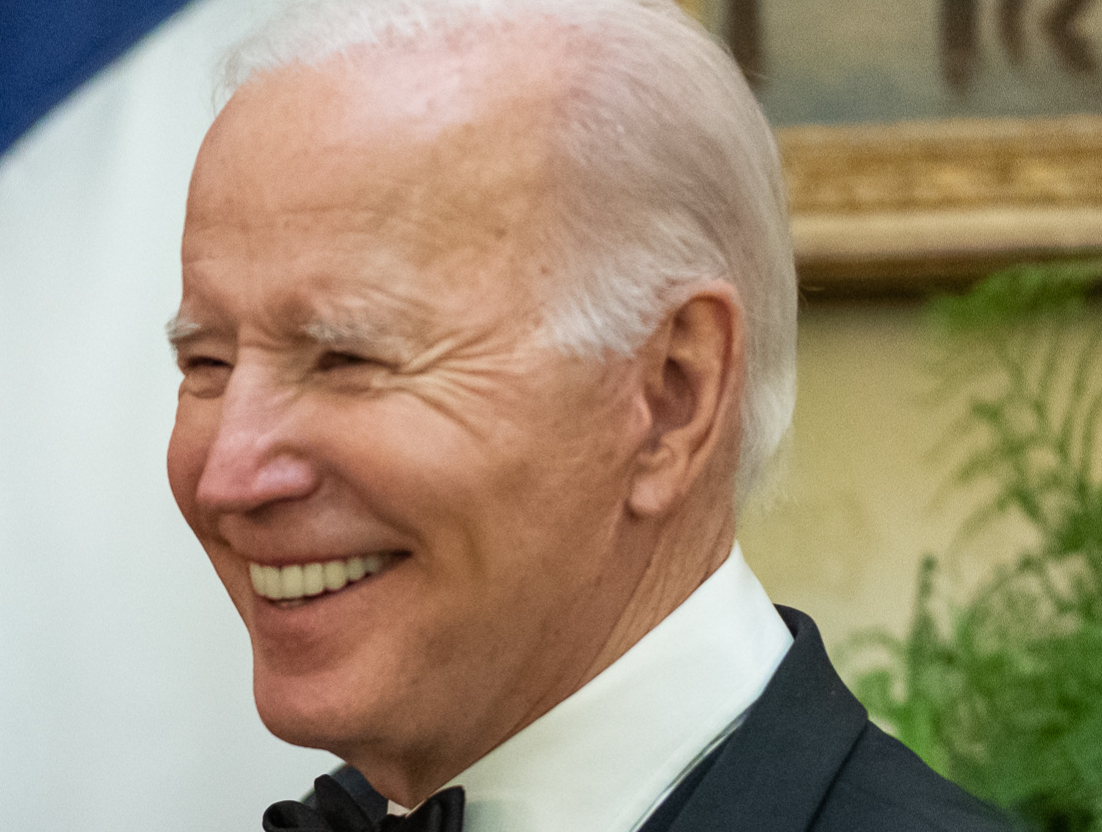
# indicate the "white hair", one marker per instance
pixel 668 174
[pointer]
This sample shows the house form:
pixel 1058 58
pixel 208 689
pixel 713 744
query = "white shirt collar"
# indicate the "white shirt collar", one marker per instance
pixel 605 757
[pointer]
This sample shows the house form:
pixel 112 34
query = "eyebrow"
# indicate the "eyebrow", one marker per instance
pixel 352 331
pixel 179 329
pixel 343 332
pixel 340 332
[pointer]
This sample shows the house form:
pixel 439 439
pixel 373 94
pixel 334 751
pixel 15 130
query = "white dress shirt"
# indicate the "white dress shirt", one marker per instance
pixel 604 758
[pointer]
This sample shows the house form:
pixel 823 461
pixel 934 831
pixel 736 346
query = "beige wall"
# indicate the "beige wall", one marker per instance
pixel 861 506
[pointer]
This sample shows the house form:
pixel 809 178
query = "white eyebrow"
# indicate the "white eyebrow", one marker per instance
pixel 352 332
pixel 180 328
pixel 341 332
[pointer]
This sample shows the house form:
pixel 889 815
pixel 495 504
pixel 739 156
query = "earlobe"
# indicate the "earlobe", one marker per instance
pixel 692 381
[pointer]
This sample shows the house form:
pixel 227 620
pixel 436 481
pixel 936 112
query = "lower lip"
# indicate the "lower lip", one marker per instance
pixel 316 634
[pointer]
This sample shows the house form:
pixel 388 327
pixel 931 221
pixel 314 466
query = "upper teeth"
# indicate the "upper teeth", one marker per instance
pixel 306 579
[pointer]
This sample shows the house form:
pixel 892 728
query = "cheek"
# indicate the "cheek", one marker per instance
pixel 187 453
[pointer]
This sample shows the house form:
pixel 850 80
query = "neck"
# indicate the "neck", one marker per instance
pixel 685 554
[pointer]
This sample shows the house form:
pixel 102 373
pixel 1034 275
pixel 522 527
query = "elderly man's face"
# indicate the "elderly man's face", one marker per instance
pixel 364 389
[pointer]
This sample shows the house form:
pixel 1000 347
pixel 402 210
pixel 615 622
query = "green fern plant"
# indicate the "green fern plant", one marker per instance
pixel 1002 692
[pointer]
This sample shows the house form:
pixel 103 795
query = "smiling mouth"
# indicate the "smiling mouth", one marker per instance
pixel 292 585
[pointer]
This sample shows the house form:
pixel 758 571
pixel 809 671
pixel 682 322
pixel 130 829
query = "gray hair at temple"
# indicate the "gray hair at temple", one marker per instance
pixel 669 174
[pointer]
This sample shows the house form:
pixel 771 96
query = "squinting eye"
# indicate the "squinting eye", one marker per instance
pixel 204 375
pixel 201 362
pixel 332 360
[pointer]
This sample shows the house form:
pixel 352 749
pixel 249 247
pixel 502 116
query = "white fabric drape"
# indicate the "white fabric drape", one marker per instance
pixel 125 695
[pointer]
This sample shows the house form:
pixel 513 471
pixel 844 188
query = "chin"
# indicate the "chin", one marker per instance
pixel 306 710
pixel 297 714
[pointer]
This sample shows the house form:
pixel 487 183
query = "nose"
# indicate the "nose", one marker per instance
pixel 255 459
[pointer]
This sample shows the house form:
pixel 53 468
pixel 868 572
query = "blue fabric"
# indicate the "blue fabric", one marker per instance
pixel 48 48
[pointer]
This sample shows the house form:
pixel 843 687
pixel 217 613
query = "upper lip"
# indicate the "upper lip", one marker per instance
pixel 267 559
pixel 298 545
pixel 301 539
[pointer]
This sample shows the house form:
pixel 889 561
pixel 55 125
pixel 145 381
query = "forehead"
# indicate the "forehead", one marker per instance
pixel 415 184
pixel 441 152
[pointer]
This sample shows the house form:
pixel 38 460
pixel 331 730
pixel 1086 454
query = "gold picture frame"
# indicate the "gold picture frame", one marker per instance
pixel 906 206
pixel 898 207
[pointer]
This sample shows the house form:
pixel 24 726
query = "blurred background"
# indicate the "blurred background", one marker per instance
pixel 926 144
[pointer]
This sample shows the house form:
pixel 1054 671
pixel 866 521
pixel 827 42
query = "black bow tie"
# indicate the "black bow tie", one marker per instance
pixel 337 811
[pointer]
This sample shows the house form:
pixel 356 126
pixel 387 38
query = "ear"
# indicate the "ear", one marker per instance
pixel 692 375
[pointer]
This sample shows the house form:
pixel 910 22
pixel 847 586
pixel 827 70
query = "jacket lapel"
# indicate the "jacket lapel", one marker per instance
pixel 774 772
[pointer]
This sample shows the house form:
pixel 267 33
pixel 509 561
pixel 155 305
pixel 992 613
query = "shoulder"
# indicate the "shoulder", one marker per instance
pixel 884 786
pixel 807 759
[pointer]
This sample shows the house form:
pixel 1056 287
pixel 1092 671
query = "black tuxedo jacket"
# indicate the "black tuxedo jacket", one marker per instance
pixel 806 759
